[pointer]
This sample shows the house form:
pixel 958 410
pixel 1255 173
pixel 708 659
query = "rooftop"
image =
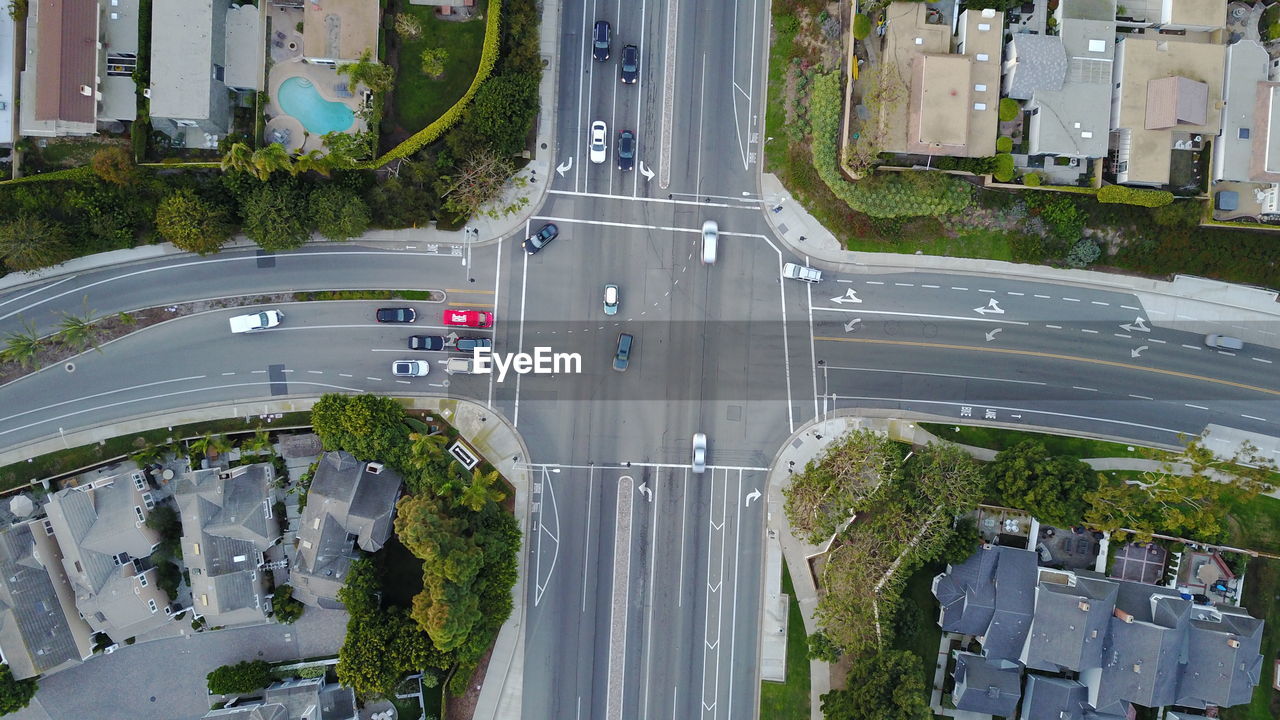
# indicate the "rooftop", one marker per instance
pixel 340 30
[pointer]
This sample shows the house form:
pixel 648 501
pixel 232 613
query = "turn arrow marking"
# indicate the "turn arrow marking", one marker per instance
pixel 992 335
pixel 565 167
pixel 1137 352
pixel 849 326
pixel 645 491
pixel 753 495
pixel 1139 324
pixel 991 307
pixel 646 172
pixel 850 295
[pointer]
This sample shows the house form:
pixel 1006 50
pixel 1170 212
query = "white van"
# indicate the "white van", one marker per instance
pixel 710 238
pixel 801 272
pixel 257 321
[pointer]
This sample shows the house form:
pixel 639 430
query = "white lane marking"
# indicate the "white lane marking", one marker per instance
pixel 1054 327
pixel 733 618
pixel 663 201
pixel 905 284
pixel 286 370
pixel 345 374
pixel 668 94
pixel 1185 317
pixel 1198 407
pixel 1253 417
pixel 1141 397
pixel 702 108
pixel 684 525
pixel 403 382
pixel 653 574
pixel 684 465
pixel 1087 330
pixel 104 393
pixel 931 374
pixel 875 282
pixel 1068 299
pixel 1089 418
pixel 931 287
pixel 1130 307
pixel 1088 389
pixel 1261 360
pixel 1018 294
pixel 524 285
pixel 315 372
pixel 1191 347
pixel 40 289
pixel 1226 352
pixel 258 372
pixel 586 540
pixel 985 291
pixel 225 374
pixel 619 601
pixel 1043 297
pixel 953 287
pixel 921 315
pixel 1099 302
pixel 1122 335
pixel 1162 342
pixel 584 56
pixel 366 377
pixel 497 295
pixel 813 354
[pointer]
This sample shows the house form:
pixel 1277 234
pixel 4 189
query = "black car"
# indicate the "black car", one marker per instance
pixel 601 38
pixel 630 68
pixel 396 315
pixel 539 240
pixel 426 342
pixel 626 150
pixel 469 344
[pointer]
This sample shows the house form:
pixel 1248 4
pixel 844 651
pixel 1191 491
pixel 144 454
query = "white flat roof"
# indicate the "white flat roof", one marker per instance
pixel 7 94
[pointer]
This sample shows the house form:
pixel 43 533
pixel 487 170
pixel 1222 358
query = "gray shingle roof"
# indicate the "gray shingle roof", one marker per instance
pixel 1070 624
pixel 1037 62
pixel 987 686
pixel 1015 601
pixel 1053 698
pixel 35 634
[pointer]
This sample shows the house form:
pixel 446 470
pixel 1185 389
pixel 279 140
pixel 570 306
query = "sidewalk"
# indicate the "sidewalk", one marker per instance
pixel 1196 304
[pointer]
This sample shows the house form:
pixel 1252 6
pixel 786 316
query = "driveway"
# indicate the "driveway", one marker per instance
pixel 165 679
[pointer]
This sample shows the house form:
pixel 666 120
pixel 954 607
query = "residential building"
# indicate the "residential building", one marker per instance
pixel 350 504
pixel 40 630
pixel 992 687
pixel 1174 15
pixel 227 524
pixel 339 31
pixel 310 699
pixel 1167 98
pixel 1066 80
pixel 200 50
pixel 1111 644
pixel 101 531
pixel 8 95
pixel 1249 149
pixel 952 95
pixel 80 56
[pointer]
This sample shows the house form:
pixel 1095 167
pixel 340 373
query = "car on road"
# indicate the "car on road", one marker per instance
pixel 396 315
pixel 410 368
pixel 539 240
pixel 612 298
pixel 599 142
pixel 622 358
pixel 468 318
pixel 699 464
pixel 1223 342
pixel 801 272
pixel 601 37
pixel 426 342
pixel 257 321
pixel 461 366
pixel 629 71
pixel 710 238
pixel 469 344
pixel 626 150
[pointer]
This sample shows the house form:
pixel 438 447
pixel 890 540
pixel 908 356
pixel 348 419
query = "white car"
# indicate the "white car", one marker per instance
pixel 699 453
pixel 256 322
pixel 801 272
pixel 599 142
pixel 611 299
pixel 410 368
pixel 710 238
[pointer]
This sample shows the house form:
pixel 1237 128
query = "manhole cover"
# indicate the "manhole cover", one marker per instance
pixel 70 367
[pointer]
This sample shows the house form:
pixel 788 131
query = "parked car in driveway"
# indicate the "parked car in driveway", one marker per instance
pixel 601 38
pixel 469 344
pixel 396 315
pixel 626 150
pixel 540 239
pixel 612 298
pixel 426 342
pixel 599 149
pixel 468 318
pixel 629 68
pixel 410 368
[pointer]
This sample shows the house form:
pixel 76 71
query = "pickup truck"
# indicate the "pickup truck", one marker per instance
pixel 801 272
pixel 463 366
pixel 257 321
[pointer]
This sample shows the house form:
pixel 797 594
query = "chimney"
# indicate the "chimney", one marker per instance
pixel 86 91
pixel 373 468
pixel 1232 642
pixel 1123 616
pixel 1084 606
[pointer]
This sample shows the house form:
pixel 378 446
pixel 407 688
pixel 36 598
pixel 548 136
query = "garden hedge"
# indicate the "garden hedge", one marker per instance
pixel 861 27
pixel 1003 171
pixel 1004 144
pixel 1134 196
pixel 1008 109
pixel 432 132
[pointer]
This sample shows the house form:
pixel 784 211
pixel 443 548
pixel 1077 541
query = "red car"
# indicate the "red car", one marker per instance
pixel 468 318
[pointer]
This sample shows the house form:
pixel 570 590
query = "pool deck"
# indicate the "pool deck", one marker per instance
pixel 324 79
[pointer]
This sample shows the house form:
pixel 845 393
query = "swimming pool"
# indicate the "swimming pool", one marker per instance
pixel 299 98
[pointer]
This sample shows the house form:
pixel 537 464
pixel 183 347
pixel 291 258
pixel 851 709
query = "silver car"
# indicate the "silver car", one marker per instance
pixel 699 453
pixel 1223 342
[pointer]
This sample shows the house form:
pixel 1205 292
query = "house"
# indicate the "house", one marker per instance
pixel 78 70
pixel 1066 80
pixel 1122 643
pixel 310 699
pixel 350 503
pixel 227 524
pixel 40 630
pixel 992 687
pixel 1244 153
pixel 339 31
pixel 1194 16
pixel 952 95
pixel 101 531
pixel 8 97
pixel 200 51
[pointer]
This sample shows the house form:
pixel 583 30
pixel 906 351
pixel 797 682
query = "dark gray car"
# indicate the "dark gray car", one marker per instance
pixel 622 358
pixel 601 38
pixel 629 69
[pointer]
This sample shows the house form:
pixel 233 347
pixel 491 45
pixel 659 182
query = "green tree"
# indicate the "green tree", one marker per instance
pixel 78 331
pixel 379 648
pixel 314 161
pixel 447 608
pixel 947 478
pixel 15 694
pixel 477 182
pixel 960 543
pixel 370 427
pixel 338 213
pixel 115 165
pixel 30 242
pixel 480 492
pixel 259 444
pixel 831 487
pixel 1027 477
pixel 408 26
pixel 275 216
pixel 433 60
pixel 360 591
pixel 368 72
pixel 1008 109
pixel 500 115
pixel 239 157
pixel 243 677
pixel 821 648
pixel 285 607
pixel 24 346
pixel 270 159
pixel 884 686
pixel 861 26
pixel 193 224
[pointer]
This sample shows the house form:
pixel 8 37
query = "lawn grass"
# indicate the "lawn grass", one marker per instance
pixel 1256 525
pixel 64 461
pixel 924 641
pixel 775 117
pixel 71 153
pixel 969 243
pixel 419 99
pixel 408 709
pixel 1000 439
pixel 790 700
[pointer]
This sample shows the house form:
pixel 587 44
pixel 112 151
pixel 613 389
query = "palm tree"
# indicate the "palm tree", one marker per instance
pixel 148 455
pixel 311 161
pixel 78 331
pixel 369 72
pixel 478 493
pixel 259 444
pixel 425 449
pixel 239 157
pixel 201 444
pixel 217 445
pixel 270 159
pixel 22 346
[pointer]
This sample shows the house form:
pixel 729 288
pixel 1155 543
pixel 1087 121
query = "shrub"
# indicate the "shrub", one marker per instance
pixel 861 26
pixel 1134 196
pixel 1004 144
pixel 1065 220
pixel 1085 251
pixel 242 677
pixel 1008 109
pixel 287 608
pixel 1003 171
pixel 1032 180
